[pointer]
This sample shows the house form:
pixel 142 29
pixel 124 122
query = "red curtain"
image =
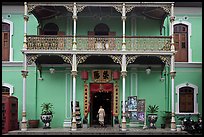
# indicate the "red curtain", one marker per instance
pixel 101 87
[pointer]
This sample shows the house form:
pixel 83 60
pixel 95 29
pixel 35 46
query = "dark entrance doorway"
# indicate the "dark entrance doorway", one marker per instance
pixel 103 98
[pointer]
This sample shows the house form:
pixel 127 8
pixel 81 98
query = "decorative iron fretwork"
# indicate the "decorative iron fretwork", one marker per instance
pixel 31 58
pixel 167 8
pixel 70 7
pixel 66 58
pixel 49 42
pixel 116 58
pixel 31 7
pixel 81 58
pixel 165 59
pixel 130 59
pixel 119 8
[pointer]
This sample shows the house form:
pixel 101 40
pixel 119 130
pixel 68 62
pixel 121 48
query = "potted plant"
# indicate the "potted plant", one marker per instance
pixel 152 115
pixel 46 114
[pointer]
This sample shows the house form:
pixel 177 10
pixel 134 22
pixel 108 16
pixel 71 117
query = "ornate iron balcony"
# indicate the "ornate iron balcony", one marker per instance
pixel 99 43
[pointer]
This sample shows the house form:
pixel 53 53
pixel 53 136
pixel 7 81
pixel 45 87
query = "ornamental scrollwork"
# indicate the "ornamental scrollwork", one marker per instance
pixel 70 7
pixel 131 59
pixel 119 8
pixel 165 59
pixel 31 8
pixel 66 58
pixel 31 59
pixel 116 58
pixel 81 58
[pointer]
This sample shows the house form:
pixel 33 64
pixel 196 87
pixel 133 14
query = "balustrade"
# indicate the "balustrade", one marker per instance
pixel 99 43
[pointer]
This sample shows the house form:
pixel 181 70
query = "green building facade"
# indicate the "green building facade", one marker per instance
pixel 139 37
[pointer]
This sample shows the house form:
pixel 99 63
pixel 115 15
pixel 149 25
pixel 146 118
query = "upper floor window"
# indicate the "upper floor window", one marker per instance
pixel 181 42
pixel 5 41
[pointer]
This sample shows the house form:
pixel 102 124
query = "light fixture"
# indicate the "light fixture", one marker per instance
pixel 52 70
pixel 148 70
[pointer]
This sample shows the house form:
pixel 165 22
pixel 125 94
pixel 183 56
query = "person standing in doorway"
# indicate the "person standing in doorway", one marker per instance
pixel 101 115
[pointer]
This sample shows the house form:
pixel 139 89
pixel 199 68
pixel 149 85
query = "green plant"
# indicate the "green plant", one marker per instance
pixel 47 109
pixel 152 109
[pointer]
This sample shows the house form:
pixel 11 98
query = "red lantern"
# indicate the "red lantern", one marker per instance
pixel 84 75
pixel 116 75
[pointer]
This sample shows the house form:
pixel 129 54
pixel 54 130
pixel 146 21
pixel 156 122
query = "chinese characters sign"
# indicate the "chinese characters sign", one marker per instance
pixel 101 75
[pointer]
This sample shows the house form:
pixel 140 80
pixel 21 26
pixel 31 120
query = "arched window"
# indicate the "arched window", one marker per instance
pixel 101 29
pixel 7 89
pixel 5 41
pixel 187 99
pixel 50 29
pixel 181 42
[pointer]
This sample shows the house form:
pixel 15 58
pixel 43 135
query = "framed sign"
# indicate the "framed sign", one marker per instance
pixel 133 116
pixel 141 105
pixel 101 76
pixel 132 103
pixel 141 116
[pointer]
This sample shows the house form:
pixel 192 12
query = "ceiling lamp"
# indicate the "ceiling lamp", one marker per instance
pixel 148 70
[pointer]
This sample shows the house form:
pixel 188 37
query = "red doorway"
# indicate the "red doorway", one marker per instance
pixel 101 94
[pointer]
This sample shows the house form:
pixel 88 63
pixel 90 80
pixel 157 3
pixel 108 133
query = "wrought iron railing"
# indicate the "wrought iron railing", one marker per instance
pixel 99 43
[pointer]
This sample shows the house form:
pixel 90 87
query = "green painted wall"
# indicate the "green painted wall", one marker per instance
pixel 53 86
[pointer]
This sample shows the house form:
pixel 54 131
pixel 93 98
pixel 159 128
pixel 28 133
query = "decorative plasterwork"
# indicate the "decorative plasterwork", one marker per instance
pixel 165 59
pixel 31 58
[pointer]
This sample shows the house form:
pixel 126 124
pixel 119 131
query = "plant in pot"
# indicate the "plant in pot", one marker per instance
pixel 152 115
pixel 46 114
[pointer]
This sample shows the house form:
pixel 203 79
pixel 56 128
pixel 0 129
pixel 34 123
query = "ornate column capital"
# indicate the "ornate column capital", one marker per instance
pixel 24 73
pixel 173 74
pixel 74 73
pixel 25 17
pixel 123 73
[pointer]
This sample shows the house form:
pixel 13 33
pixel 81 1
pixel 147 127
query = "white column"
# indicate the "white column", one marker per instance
pixel 25 24
pixel 172 70
pixel 74 73
pixel 24 74
pixel 24 71
pixel 74 31
pixel 124 74
pixel 123 19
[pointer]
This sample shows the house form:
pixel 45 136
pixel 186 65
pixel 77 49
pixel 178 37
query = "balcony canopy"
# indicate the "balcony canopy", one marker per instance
pixel 154 10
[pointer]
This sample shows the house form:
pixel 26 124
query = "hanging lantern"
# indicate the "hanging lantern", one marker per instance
pixel 116 75
pixel 84 75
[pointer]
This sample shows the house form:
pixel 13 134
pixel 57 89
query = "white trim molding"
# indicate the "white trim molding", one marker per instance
pixel 189 35
pixel 11 88
pixel 11 34
pixel 195 97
